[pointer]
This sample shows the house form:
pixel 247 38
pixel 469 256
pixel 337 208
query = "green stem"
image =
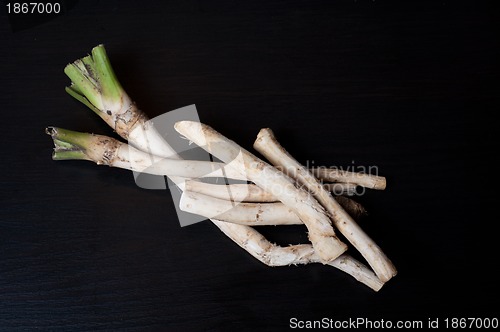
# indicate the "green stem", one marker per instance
pixel 75 93
pixel 94 82
pixel 69 155
pixel 110 86
pixel 65 139
pixel 70 144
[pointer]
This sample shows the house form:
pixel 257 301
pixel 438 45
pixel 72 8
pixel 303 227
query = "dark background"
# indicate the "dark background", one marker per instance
pixel 411 89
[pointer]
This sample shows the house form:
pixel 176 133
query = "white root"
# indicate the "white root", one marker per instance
pixel 251 214
pixel 136 160
pixel 105 150
pixel 231 192
pixel 272 255
pixel 247 213
pixel 338 175
pixel 253 193
pixel 270 148
pixel 321 232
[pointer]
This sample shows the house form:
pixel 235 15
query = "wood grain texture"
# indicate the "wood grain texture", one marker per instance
pixel 409 88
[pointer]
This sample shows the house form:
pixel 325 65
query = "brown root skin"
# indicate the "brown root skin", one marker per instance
pixel 355 209
pixel 124 123
pixel 105 150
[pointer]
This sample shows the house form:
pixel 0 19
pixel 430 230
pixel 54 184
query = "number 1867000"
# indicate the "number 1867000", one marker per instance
pixel 33 8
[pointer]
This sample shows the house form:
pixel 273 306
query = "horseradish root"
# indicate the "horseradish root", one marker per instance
pixel 251 214
pixel 245 213
pixel 269 147
pixel 274 198
pixel 272 255
pixel 321 233
pixel 104 150
pixel 252 193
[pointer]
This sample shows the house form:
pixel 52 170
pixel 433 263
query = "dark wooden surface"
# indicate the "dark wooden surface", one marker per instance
pixel 409 88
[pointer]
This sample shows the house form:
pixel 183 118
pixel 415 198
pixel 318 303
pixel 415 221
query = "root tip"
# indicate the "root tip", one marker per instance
pixel 52 131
